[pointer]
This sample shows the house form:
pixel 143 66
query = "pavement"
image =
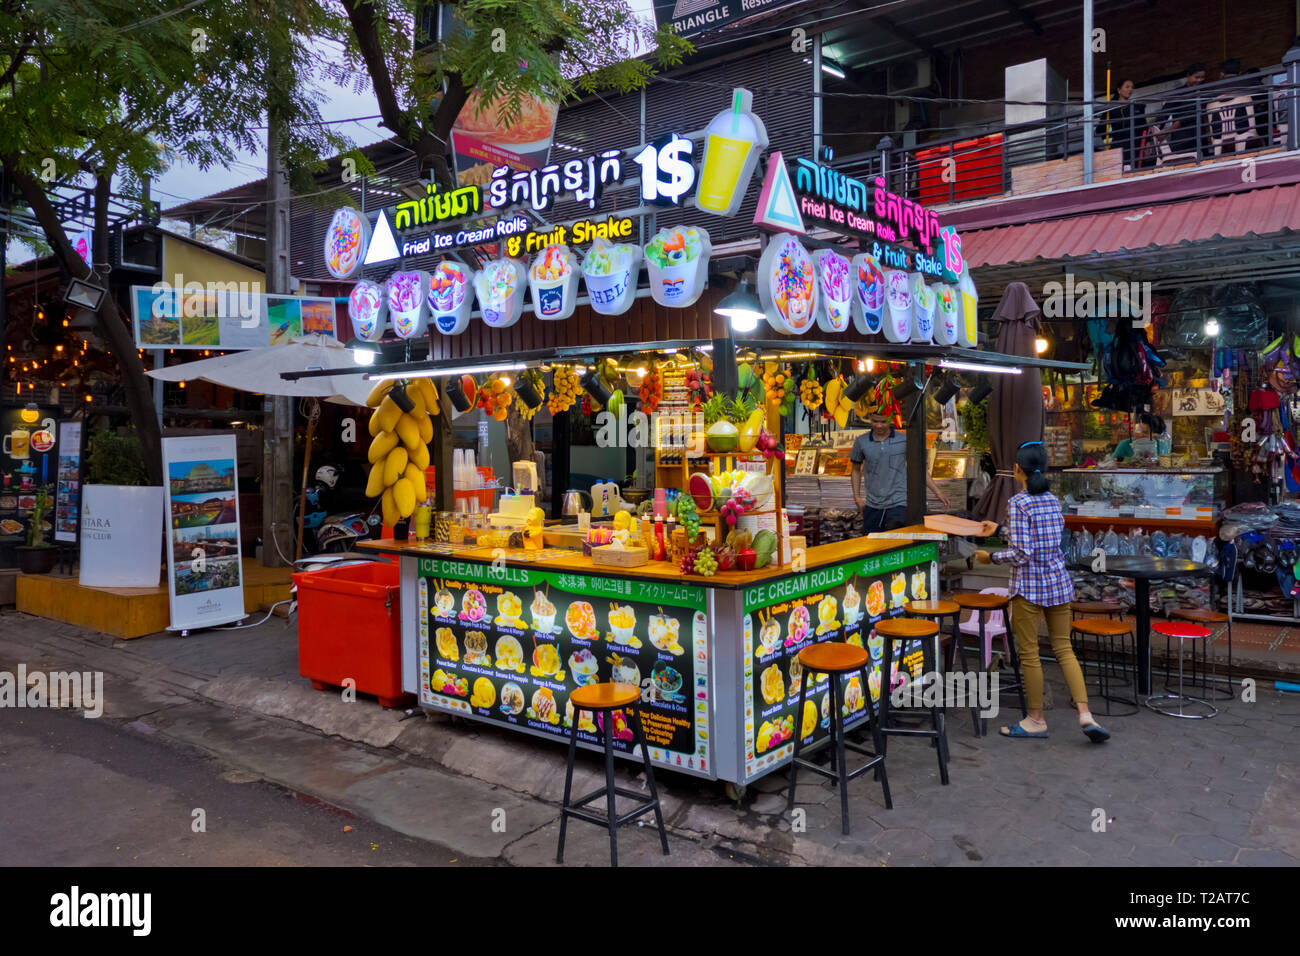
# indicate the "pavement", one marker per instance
pixel 1162 792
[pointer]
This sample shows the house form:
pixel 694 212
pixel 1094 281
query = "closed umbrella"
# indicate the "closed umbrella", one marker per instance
pixel 258 370
pixel 1016 405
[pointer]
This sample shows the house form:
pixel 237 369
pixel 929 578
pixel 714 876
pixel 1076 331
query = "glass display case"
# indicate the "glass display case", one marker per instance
pixel 1143 494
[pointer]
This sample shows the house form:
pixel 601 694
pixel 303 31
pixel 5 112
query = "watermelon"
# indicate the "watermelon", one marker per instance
pixel 701 491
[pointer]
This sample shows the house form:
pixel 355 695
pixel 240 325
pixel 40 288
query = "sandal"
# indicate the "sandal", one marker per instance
pixel 1018 731
pixel 1096 733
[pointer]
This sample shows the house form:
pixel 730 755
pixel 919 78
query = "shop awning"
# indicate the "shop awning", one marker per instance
pixel 1179 241
pixel 259 370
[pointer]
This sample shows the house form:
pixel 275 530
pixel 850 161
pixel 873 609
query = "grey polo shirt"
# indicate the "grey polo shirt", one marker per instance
pixel 884 468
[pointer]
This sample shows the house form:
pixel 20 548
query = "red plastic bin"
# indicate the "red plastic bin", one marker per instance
pixel 349 626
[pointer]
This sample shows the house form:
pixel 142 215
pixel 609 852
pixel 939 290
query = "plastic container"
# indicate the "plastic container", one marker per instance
pixel 349 626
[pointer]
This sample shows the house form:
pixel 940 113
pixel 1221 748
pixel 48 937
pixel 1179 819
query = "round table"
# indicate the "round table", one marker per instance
pixel 1144 569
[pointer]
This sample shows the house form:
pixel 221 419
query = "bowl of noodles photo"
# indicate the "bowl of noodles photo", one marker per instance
pixel 484 123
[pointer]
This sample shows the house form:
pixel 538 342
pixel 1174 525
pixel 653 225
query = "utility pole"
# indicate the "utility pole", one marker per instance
pixel 277 417
pixel 1087 92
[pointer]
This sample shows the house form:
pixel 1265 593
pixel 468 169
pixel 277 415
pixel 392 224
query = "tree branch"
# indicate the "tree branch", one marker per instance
pixel 18 59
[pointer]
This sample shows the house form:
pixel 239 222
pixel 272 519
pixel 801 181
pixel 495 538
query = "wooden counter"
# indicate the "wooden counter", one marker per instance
pixel 815 557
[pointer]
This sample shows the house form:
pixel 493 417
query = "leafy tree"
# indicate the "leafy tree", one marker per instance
pixel 507 49
pixel 103 94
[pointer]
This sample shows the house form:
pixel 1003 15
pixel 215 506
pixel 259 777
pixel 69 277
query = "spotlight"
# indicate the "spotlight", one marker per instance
pixel 1212 327
pixel 1040 345
pixel 591 384
pixel 742 307
pixel 981 391
pixel 858 388
pixel 947 389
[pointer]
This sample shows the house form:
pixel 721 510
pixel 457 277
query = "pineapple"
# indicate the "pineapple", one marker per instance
pixel 714 410
pixel 739 410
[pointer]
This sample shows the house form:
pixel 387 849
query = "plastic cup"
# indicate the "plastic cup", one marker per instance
pixel 423 518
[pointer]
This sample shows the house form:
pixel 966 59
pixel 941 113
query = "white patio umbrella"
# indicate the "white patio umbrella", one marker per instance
pixel 258 370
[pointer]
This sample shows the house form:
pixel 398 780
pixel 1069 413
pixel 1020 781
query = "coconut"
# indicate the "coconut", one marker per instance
pixel 722 436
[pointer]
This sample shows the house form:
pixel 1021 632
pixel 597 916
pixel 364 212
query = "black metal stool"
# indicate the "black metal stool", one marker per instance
pixel 605 699
pixel 937 611
pixel 897 630
pixel 1206 617
pixel 983 605
pixel 1105 632
pixel 838 660
pixel 1165 703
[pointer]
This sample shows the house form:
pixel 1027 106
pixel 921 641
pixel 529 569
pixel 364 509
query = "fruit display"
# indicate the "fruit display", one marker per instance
pixel 689 516
pixel 399 451
pixel 706 563
pixel 564 389
pixel 494 397
pixel 810 392
pixel 652 389
pixel 751 387
pixel 720 434
pixel 735 506
pixel 699 386
pixel 769 446
pixel 837 406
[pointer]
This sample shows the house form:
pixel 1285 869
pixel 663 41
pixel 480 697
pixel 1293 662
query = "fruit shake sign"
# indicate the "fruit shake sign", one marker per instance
pixel 837 603
pixel 509 646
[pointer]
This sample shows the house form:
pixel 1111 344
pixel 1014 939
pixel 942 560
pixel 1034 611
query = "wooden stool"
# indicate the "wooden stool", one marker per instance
pixel 838 660
pixel 897 630
pixel 1101 629
pixel 937 611
pixel 605 699
pixel 1165 703
pixel 983 605
pixel 1207 617
pixel 1097 608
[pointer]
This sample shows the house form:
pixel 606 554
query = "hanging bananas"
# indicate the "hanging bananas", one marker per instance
pixel 399 453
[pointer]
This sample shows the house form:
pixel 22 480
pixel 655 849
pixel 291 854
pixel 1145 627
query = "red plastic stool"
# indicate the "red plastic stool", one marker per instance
pixel 1165 703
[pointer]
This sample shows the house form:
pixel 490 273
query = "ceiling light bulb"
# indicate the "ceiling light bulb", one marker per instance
pixel 1212 327
pixel 1040 345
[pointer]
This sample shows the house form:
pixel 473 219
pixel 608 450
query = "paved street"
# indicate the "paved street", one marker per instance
pixel 185 718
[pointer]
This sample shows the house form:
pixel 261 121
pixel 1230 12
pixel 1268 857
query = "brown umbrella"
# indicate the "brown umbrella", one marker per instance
pixel 1016 405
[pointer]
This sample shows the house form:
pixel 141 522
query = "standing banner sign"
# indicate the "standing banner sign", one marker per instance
pixel 67 497
pixel 121 526
pixel 204 577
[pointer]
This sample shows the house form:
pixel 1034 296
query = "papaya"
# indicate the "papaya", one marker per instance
pixel 375 483
pixel 425 424
pixel 389 508
pixel 408 431
pixel 420 455
pixel 415 476
pixel 379 448
pixel 377 393
pixel 404 497
pixel 394 465
pixel 388 414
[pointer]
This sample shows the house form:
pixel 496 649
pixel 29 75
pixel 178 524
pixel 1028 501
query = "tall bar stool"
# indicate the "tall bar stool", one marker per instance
pixel 983 605
pixel 937 611
pixel 838 660
pixel 896 630
pixel 1098 609
pixel 1105 632
pixel 604 699
pixel 1206 617
pixel 1177 705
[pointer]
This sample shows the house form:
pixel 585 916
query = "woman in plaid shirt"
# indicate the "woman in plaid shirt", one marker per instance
pixel 1040 587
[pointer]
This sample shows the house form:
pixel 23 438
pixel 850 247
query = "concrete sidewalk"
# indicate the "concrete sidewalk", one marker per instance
pixel 1167 791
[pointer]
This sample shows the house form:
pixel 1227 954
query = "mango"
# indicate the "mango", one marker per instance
pixel 408 431
pixel 416 477
pixel 375 483
pixel 377 393
pixel 420 456
pixel 389 508
pixel 429 393
pixel 388 413
pixel 379 448
pixel 395 465
pixel 404 497
pixel 425 424
pixel 373 425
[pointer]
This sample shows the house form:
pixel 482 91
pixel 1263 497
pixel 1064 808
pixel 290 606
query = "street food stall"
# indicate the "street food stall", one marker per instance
pixel 611 322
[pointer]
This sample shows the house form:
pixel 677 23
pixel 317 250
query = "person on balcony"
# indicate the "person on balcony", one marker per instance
pixel 1121 122
pixel 1231 114
pixel 1179 121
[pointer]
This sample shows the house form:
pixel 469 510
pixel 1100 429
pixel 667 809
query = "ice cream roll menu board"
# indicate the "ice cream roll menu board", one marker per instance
pixel 508 645
pixel 839 602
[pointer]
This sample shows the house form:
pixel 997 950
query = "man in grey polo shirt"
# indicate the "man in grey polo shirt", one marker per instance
pixel 881 456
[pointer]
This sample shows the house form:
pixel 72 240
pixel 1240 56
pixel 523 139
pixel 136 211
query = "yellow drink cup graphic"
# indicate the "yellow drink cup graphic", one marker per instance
pixel 968 326
pixel 18 443
pixel 732 143
pixel 724 161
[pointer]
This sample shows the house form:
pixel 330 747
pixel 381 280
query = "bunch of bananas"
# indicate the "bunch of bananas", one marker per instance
pixel 810 392
pixel 399 451
pixel 564 389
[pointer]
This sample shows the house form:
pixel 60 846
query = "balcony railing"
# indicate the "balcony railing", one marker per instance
pixel 1214 122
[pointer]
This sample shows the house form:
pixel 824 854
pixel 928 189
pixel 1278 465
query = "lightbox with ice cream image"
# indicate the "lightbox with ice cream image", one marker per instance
pixel 868 294
pixel 499 286
pixel 408 302
pixel 787 286
pixel 677 259
pixel 898 306
pixel 451 296
pixel 368 310
pixel 553 280
pixel 835 302
pixel 610 272
pixel 923 305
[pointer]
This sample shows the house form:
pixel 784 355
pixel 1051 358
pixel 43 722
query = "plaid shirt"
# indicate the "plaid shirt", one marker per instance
pixel 1038 571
